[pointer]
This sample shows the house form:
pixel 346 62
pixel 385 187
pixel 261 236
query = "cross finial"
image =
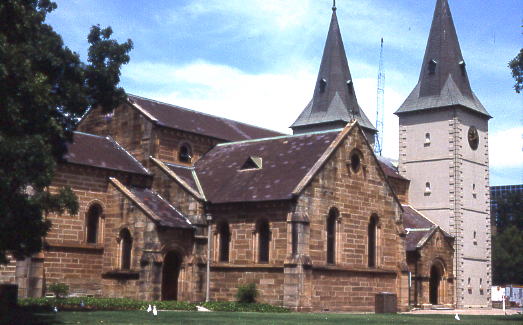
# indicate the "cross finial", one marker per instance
pixel 333 5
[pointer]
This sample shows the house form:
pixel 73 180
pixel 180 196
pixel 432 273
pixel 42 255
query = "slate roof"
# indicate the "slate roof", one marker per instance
pixel 185 173
pixel 334 103
pixel 448 85
pixel 389 168
pixel 184 119
pixel 285 162
pixel 164 213
pixel 102 152
pixel 418 228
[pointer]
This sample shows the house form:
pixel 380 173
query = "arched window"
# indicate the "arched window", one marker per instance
pixel 126 245
pixel 373 241
pixel 93 223
pixel 225 238
pixel 331 235
pixel 294 239
pixel 356 158
pixel 264 237
pixel 185 153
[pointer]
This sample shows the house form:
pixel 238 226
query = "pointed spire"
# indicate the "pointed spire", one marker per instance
pixel 334 102
pixel 443 79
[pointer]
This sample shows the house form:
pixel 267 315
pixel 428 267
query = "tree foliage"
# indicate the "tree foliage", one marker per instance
pixel 509 211
pixel 516 65
pixel 507 256
pixel 44 89
pixel 507 244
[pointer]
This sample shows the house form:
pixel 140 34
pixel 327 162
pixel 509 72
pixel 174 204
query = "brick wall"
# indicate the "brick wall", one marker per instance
pixel 68 257
pixel 243 266
pixel 127 126
pixel 350 291
pixel 170 141
pixel 140 137
pixel 401 188
pixel 7 272
pixel 177 195
pixel 269 282
pixel 357 196
pixel 437 250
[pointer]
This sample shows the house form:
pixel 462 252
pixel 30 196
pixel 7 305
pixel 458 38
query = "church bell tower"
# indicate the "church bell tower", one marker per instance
pixel 444 152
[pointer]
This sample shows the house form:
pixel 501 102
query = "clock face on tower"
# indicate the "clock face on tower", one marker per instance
pixel 473 138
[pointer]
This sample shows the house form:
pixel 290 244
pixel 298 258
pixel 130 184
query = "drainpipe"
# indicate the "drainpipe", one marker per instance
pixel 410 286
pixel 208 282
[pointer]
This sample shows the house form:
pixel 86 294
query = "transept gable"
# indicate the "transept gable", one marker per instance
pixel 350 145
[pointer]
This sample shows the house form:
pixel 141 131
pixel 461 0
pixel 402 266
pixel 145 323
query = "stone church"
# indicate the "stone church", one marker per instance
pixel 181 205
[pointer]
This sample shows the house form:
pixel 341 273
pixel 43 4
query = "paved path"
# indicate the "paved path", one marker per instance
pixel 492 311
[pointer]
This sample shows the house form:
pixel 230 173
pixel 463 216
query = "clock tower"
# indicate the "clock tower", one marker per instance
pixel 444 152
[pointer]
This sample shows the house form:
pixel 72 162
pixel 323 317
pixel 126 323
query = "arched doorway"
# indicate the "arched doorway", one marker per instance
pixel 436 274
pixel 170 272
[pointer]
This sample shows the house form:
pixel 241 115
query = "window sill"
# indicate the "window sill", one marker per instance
pixel 121 275
pixel 245 266
pixel 64 245
pixel 330 267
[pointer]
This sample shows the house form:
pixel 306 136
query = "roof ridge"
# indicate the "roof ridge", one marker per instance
pixel 199 112
pixel 172 206
pixel 179 166
pixel 278 137
pixel 127 192
pixel 90 134
pixel 165 168
pixel 420 213
pixel 128 153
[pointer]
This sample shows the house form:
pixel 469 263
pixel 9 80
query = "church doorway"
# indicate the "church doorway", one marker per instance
pixel 436 274
pixel 170 272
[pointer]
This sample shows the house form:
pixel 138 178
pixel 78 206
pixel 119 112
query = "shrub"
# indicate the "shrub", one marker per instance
pixel 247 293
pixel 60 290
pixel 243 307
pixel 90 303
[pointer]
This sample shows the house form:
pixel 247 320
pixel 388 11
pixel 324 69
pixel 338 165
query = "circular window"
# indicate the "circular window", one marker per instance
pixel 355 162
pixel 473 138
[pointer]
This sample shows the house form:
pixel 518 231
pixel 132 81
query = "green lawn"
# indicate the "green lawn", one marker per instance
pixel 172 317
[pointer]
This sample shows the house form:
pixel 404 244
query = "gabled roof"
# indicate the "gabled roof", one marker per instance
pixel 183 175
pixel 184 119
pixel 443 79
pixel 102 152
pixel 286 162
pixel 334 102
pixel 154 206
pixel 418 227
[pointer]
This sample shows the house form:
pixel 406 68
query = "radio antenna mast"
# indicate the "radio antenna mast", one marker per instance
pixel 380 103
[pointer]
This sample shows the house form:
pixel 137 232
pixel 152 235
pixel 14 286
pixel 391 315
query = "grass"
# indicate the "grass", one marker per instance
pixel 173 317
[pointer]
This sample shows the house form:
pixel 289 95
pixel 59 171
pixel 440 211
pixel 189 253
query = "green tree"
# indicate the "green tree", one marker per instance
pixel 507 252
pixel 509 211
pixel 507 256
pixel 44 89
pixel 516 65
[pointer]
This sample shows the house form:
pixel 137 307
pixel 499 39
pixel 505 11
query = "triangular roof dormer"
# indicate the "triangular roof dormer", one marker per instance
pixel 252 163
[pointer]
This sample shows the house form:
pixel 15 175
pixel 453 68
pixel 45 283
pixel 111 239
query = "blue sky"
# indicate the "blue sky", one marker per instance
pixel 256 61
